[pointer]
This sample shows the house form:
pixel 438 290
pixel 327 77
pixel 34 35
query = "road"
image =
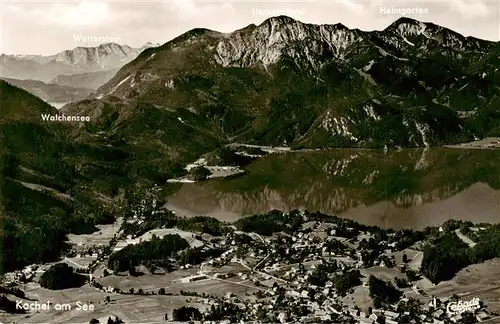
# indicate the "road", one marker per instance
pixel 270 149
pixel 73 262
pixel 492 320
pixel 261 261
pixel 465 239
pixel 479 291
pixel 241 284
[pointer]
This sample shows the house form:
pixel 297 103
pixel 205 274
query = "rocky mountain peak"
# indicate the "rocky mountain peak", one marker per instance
pixel 266 43
pixel 85 54
pixel 410 30
pixel 279 20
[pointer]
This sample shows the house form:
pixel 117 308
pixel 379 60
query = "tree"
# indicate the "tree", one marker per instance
pixel 199 173
pixel 446 258
pixel 105 273
pixel 185 314
pixel 468 318
pixel 147 252
pixel 382 291
pixel 405 258
pixel 401 283
pixel 61 276
pixel 346 281
pixel 412 275
pixel 465 228
pixel 222 156
pixel 107 299
pixel 161 291
pixel 10 306
pixel 166 316
pixel 94 321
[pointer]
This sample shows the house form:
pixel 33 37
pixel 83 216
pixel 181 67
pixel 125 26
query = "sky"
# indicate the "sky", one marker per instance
pixel 47 27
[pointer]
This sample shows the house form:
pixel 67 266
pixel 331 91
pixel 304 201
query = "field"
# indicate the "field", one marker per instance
pixel 386 274
pixel 415 258
pixel 101 237
pixel 479 280
pixel 360 297
pixel 130 308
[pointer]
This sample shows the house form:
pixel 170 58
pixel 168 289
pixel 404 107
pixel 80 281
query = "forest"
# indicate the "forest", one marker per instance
pixel 157 250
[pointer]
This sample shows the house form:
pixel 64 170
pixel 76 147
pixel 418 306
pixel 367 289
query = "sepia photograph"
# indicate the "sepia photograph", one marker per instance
pixel 249 161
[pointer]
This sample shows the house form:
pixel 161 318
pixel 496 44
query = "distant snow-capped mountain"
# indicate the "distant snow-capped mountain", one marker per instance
pixel 100 58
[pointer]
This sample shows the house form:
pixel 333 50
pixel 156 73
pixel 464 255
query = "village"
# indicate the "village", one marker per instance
pixel 329 270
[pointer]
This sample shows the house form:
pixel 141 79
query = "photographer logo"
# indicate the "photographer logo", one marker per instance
pixel 460 307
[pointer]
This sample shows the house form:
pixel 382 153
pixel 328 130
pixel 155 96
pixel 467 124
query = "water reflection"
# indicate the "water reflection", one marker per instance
pixel 411 188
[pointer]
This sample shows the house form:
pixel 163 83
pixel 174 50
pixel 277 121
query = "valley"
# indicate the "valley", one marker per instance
pixel 284 169
pixel 273 258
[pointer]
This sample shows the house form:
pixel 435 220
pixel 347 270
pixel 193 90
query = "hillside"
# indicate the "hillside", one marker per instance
pixel 51 92
pixel 288 82
pixel 90 80
pixel 18 106
pixel 49 185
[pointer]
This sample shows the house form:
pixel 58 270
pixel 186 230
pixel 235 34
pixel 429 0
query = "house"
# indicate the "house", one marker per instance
pixel 390 314
pixel 457 318
pixel 293 293
pixel 326 317
pixel 482 316
pixel 193 278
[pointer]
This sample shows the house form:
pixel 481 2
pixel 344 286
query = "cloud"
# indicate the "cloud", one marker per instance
pixel 80 14
pixel 48 27
pixel 352 5
pixel 470 10
pixel 185 8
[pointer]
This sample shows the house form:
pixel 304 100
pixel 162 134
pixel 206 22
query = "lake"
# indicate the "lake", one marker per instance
pixel 57 105
pixel 411 188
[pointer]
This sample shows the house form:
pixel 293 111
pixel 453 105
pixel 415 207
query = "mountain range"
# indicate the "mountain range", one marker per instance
pixel 81 67
pixel 281 82
pixel 285 82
